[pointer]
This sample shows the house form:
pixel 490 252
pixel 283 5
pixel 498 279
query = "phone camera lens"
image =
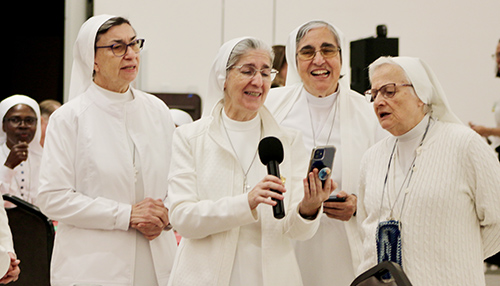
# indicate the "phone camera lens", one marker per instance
pixel 318 154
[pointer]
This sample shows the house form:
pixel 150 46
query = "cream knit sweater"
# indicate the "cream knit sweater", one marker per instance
pixel 451 217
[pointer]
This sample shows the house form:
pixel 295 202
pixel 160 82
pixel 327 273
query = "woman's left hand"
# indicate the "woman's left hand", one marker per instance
pixel 341 210
pixel 315 194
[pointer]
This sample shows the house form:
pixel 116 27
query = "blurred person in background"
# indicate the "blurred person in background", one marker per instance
pixel 21 150
pixel 46 108
pixel 279 64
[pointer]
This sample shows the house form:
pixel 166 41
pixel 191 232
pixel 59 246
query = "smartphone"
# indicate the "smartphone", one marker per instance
pixel 322 159
pixel 334 198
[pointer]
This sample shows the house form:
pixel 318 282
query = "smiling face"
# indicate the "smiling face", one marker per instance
pixel 320 75
pixel 402 112
pixel 21 132
pixel 112 72
pixel 243 96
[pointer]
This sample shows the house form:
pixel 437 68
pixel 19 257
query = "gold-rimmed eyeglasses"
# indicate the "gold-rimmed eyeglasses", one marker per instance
pixel 120 49
pixel 308 53
pixel 249 72
pixel 387 91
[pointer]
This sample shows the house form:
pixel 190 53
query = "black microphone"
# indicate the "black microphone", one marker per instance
pixel 271 155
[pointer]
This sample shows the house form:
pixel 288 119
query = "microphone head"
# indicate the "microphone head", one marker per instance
pixel 270 149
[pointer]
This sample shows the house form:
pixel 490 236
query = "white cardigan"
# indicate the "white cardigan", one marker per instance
pixel 207 206
pixel 451 217
pixel 359 130
pixel 87 184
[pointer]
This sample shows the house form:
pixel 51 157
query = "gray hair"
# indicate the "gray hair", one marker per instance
pixel 313 25
pixel 48 106
pixel 244 46
pixel 382 61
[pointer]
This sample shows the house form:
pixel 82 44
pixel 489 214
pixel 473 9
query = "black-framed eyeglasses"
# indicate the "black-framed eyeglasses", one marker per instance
pixel 308 53
pixel 16 121
pixel 120 49
pixel 248 71
pixel 387 91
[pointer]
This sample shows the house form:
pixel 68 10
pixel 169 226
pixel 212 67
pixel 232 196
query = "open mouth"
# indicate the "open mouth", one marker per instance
pixel 253 94
pixel 383 114
pixel 128 68
pixel 320 73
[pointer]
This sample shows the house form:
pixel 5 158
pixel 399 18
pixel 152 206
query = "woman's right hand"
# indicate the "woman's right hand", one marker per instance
pixel 262 193
pixel 17 154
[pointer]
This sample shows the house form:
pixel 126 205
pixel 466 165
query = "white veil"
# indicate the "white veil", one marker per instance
pixel 83 55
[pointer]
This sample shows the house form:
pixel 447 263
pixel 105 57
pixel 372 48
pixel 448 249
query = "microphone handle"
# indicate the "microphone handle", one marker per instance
pixel 279 208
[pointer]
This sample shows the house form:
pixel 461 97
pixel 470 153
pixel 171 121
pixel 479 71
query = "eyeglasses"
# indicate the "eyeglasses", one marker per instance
pixel 307 53
pixel 16 121
pixel 248 71
pixel 120 49
pixel 387 91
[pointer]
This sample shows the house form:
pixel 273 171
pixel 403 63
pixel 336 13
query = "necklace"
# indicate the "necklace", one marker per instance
pixel 407 179
pixel 333 121
pixel 246 186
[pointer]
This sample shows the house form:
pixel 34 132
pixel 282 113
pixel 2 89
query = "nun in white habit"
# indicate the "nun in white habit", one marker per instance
pixel 219 191
pixel 318 101
pixel 434 184
pixel 105 167
pixel 21 150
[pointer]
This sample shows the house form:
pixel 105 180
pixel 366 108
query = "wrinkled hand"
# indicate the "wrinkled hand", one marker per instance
pixel 262 193
pixel 13 272
pixel 18 153
pixel 341 210
pixel 149 217
pixel 315 194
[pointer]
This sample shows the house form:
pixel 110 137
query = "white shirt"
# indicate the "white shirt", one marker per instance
pixel 88 184
pixel 244 137
pixel 22 181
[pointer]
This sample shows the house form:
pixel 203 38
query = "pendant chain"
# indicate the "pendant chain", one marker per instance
pixel 333 121
pixel 407 179
pixel 246 187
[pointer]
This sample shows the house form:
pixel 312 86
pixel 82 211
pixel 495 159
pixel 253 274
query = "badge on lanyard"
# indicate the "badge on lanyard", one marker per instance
pixel 389 243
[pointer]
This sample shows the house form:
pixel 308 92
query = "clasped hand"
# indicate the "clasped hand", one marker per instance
pixel 149 217
pixel 13 272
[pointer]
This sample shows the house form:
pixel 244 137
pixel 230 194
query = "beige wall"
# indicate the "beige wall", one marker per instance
pixel 456 38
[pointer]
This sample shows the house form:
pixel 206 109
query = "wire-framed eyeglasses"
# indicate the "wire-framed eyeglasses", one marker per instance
pixel 387 91
pixel 120 49
pixel 249 72
pixel 16 121
pixel 308 53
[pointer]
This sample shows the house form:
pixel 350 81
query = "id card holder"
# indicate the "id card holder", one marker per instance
pixel 389 242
